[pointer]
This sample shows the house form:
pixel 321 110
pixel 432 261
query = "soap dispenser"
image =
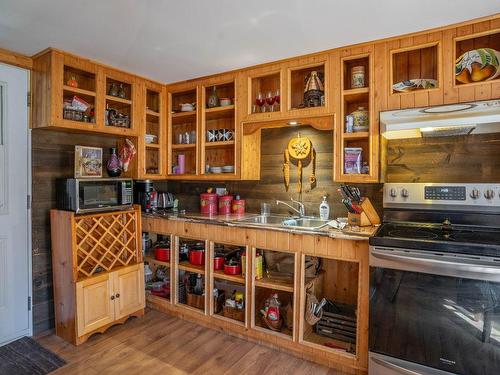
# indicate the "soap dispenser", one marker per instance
pixel 324 209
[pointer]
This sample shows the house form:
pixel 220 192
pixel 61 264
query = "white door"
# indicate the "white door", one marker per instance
pixel 15 248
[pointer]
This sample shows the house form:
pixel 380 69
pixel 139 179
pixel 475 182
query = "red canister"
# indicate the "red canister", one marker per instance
pixel 162 254
pixel 238 206
pixel 218 263
pixel 225 202
pixel 208 203
pixel 197 257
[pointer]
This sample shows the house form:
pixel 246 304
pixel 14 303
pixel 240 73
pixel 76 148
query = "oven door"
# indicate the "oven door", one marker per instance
pixel 439 311
pixel 99 195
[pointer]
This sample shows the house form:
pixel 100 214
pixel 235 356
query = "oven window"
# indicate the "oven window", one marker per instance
pixel 102 194
pixel 449 323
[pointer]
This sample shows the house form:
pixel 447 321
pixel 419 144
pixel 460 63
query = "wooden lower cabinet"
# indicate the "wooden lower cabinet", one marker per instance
pixel 343 277
pixel 98 273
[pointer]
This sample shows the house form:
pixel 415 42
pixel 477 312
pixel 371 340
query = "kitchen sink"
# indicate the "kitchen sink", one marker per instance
pixel 303 223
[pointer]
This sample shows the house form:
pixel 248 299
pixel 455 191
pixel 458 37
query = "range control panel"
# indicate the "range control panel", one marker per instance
pixel 451 195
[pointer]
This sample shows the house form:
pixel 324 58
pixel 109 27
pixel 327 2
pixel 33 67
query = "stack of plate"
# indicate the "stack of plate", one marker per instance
pixel 215 169
pixel 228 169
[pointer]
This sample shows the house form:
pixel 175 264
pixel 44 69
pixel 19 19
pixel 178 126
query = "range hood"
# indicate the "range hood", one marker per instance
pixel 445 120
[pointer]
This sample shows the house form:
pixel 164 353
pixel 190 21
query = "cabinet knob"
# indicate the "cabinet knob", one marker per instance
pixel 112 298
pixel 117 295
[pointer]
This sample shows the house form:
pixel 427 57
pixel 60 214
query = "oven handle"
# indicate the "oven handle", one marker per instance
pixel 392 366
pixel 454 266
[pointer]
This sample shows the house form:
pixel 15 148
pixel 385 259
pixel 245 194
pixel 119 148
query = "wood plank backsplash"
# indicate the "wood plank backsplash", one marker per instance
pixel 471 158
pixel 271 186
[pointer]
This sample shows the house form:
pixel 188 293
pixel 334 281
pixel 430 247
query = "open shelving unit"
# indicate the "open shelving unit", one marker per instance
pixel 183 134
pixel 279 272
pixel 473 42
pixel 349 143
pixel 119 101
pixel 336 329
pixel 188 274
pixel 297 79
pixel 415 63
pixel 158 267
pixel 218 131
pixel 264 82
pixel 82 84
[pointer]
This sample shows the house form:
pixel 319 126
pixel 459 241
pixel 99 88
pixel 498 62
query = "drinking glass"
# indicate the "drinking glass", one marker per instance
pixel 277 99
pixel 265 209
pixel 260 101
pixel 270 101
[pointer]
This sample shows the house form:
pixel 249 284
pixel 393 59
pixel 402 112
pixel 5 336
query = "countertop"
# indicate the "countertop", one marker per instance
pixel 233 220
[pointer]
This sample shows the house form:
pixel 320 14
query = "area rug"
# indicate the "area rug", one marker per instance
pixel 27 357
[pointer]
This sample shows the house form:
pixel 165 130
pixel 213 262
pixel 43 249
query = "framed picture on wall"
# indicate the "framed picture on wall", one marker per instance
pixel 88 162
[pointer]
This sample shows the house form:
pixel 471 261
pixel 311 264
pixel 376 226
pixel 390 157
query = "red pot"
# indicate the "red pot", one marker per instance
pixel 197 257
pixel 162 254
pixel 218 263
pixel 208 203
pixel 234 269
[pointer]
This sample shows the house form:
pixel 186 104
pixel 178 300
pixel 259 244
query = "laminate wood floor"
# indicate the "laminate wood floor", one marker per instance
pixel 161 344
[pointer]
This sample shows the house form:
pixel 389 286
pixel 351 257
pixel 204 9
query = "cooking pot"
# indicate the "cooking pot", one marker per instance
pixel 218 263
pixel 197 257
pixel 232 268
pixel 162 254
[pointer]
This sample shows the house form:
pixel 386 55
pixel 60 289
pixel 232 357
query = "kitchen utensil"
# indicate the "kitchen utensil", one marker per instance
pixel 187 107
pixel 215 169
pixel 165 200
pixel 228 169
pixel 197 257
pixel 232 268
pixel 150 138
pixel 265 209
pixel 415 84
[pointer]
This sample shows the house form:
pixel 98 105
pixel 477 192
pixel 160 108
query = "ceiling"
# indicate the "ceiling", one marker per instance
pixel 169 40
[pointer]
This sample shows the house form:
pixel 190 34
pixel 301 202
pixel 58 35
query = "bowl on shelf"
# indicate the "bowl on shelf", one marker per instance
pixel 224 102
pixel 187 107
pixel 215 169
pixel 150 138
pixel 228 169
pixel 477 65
pixel 358 129
pixel 415 84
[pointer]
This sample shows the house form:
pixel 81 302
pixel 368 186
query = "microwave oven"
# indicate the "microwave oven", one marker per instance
pixel 93 195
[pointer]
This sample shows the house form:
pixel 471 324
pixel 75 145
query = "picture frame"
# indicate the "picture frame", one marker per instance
pixel 88 162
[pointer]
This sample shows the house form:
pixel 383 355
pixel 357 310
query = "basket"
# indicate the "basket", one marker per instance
pixel 310 318
pixel 233 313
pixel 195 300
pixel 273 325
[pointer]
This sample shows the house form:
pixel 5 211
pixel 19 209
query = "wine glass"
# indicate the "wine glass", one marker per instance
pixel 277 98
pixel 270 100
pixel 260 101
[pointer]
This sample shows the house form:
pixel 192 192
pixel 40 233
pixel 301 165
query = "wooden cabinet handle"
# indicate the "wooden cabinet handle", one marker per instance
pixel 112 298
pixel 117 295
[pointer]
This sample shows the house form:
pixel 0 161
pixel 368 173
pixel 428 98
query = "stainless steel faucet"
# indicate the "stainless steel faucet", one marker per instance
pixel 301 210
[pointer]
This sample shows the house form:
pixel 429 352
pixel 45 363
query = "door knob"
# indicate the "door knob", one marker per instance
pixel 117 295
pixel 112 298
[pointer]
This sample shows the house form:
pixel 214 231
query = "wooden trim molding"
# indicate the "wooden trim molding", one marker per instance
pixel 16 59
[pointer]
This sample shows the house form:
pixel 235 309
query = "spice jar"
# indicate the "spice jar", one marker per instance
pixel 357 77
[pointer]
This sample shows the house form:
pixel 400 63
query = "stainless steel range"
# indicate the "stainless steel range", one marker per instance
pixel 435 281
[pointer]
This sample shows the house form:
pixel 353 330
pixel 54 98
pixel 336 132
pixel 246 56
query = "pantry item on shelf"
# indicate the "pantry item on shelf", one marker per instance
pixel 313 89
pixel 127 153
pixel 113 89
pixel 225 202
pixel 415 84
pixel 270 314
pixel 243 262
pixel 218 263
pixel 148 273
pixel 197 256
pixel 157 286
pixel 353 160
pixel 150 138
pixel 228 169
pixel 162 253
pixel 121 91
pixel 116 118
pixel 72 82
pixel 477 65
pixel 357 77
pixel 213 99
pixel 187 107
pixel 238 206
pixel 224 102
pixel 79 104
pixel 208 203
pixel 215 169
pixel 181 163
pixel 113 167
pixel 349 124
pixel 358 129
pixel 259 267
pixel 232 267
pixel 212 135
pixel 360 117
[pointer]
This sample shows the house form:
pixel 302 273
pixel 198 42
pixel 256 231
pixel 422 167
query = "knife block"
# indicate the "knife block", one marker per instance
pixel 367 217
